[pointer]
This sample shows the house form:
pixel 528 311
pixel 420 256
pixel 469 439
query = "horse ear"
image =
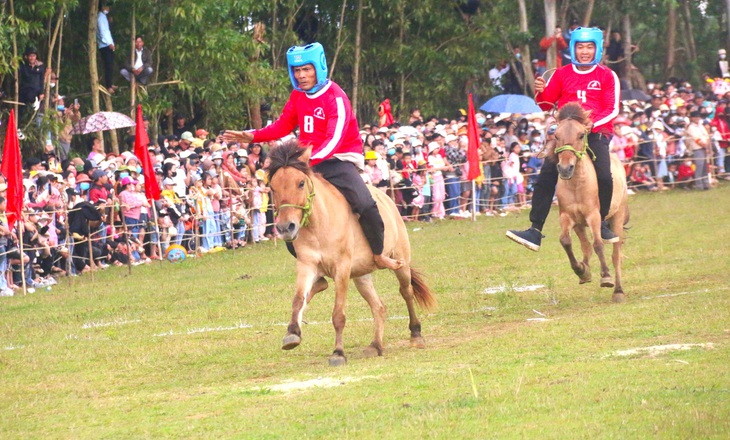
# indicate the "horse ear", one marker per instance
pixel 306 154
pixel 588 118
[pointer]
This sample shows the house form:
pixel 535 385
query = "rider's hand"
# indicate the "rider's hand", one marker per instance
pixel 237 136
pixel 539 84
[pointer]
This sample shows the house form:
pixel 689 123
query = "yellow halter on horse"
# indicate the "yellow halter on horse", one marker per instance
pixel 328 242
pixel 577 193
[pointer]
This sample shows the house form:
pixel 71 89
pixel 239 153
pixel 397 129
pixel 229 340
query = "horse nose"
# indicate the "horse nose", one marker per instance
pixel 286 228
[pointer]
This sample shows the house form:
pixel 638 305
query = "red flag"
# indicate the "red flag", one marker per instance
pixel 472 154
pixel 12 169
pixel 141 141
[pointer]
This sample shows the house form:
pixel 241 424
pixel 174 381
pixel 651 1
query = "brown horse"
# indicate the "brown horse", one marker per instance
pixel 577 193
pixel 328 241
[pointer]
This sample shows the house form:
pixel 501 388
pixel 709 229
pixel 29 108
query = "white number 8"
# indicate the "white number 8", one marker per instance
pixel 308 124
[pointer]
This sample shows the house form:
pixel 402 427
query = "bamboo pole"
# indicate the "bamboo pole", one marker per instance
pixel 126 239
pixel 157 228
pixel 92 263
pixel 21 228
pixel 69 238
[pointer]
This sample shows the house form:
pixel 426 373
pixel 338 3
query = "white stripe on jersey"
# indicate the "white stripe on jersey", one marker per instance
pixel 617 93
pixel 337 136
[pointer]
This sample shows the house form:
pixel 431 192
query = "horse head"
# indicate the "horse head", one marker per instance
pixel 290 180
pixel 570 138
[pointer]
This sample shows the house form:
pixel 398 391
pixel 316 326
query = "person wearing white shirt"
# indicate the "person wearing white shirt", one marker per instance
pixel 142 67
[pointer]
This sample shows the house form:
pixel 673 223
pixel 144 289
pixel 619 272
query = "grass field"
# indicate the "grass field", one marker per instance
pixel 191 350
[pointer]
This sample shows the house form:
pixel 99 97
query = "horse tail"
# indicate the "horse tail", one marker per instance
pixel 422 292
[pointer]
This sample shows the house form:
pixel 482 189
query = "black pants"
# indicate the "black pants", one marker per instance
pixel 346 178
pixel 548 179
pixel 107 58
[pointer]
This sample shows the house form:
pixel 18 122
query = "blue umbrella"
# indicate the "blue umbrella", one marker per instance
pixel 510 104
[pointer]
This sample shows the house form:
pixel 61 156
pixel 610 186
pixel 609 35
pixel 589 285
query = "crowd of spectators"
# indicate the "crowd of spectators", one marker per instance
pixel 89 210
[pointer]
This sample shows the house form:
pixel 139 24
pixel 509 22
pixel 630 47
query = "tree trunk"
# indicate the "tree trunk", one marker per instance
pixel 133 79
pixel 550 30
pixel 49 60
pixel 339 39
pixel 689 33
pixel 356 66
pixel 15 62
pixel 112 133
pixel 93 68
pixel 727 22
pixel 401 39
pixel 526 57
pixel 589 13
pixel 671 39
pixel 626 66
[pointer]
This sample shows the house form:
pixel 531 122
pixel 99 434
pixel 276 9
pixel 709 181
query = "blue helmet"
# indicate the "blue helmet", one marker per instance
pixel 310 54
pixel 586 35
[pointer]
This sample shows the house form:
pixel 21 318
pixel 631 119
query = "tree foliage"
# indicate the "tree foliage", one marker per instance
pixel 429 54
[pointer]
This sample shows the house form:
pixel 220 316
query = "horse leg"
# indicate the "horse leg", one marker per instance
pixel 595 224
pixel 406 291
pixel 579 268
pixel 618 292
pixel 341 277
pixel 319 286
pixel 587 249
pixel 366 288
pixel 305 280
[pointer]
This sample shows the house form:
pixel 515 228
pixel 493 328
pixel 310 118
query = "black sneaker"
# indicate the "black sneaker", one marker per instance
pixel 529 238
pixel 607 234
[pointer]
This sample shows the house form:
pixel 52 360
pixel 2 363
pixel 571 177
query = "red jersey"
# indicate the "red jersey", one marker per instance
pixel 325 122
pixel 596 89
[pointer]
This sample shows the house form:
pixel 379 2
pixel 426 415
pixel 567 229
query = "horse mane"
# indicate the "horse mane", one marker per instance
pixel 287 154
pixel 573 111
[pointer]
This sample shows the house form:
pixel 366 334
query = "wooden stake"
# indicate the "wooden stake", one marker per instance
pixel 21 228
pixel 92 263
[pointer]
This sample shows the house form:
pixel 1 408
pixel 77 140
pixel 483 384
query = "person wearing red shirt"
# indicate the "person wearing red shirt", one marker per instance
pixel 597 89
pixel 326 122
pixel 721 122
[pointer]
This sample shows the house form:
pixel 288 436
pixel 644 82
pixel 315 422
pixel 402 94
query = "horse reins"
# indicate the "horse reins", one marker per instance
pixel 578 154
pixel 306 209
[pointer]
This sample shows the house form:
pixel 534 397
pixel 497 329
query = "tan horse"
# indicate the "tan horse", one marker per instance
pixel 577 193
pixel 328 241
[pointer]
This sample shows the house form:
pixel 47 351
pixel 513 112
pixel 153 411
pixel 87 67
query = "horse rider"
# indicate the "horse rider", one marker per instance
pixel 597 89
pixel 323 113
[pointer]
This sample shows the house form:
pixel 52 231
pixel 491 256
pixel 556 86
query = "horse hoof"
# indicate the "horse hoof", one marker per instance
pixel 337 361
pixel 290 341
pixel 618 297
pixel 607 282
pixel 418 342
pixel 585 279
pixel 371 351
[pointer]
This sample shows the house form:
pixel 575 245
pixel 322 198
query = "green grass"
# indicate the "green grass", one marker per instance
pixel 192 349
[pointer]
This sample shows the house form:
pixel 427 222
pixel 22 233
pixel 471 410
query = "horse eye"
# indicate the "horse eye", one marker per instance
pixel 301 184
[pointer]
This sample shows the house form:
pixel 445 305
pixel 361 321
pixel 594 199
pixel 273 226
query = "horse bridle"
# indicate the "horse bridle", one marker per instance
pixel 578 154
pixel 306 209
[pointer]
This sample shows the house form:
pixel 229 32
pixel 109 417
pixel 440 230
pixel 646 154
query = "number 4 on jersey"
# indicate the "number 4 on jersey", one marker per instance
pixel 581 95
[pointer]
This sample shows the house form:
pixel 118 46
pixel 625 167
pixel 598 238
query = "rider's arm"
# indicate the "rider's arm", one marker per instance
pixel 286 123
pixel 549 97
